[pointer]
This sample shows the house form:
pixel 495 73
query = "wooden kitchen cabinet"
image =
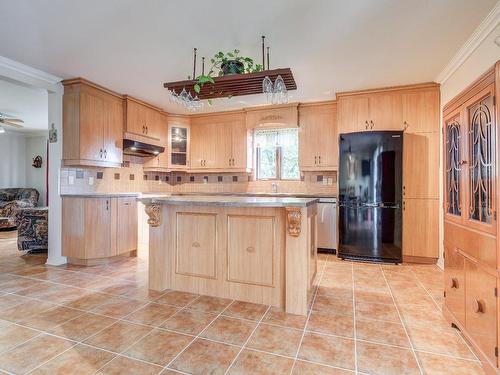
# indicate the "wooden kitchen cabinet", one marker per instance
pixel 96 229
pixel 413 108
pixel 318 137
pixel 92 125
pixel 250 258
pixel 142 121
pixel 470 148
pixel 420 230
pixel 160 162
pixel 220 142
pixel 196 248
pixel 179 141
pixel 454 282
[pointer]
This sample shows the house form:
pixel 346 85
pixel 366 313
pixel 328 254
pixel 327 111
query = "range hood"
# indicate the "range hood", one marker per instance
pixel 141 149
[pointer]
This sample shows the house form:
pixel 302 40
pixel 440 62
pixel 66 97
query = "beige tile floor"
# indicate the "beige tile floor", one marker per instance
pixel 365 319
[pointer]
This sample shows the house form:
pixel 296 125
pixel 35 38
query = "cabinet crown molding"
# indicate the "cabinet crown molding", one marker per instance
pixel 83 81
pixel 419 86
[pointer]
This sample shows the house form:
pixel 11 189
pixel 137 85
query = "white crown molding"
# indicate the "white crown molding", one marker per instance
pixel 482 31
pixel 17 71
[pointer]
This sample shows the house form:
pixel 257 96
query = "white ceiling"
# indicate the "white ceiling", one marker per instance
pixel 26 103
pixel 134 46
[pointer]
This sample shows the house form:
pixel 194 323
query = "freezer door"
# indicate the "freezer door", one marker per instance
pixel 370 232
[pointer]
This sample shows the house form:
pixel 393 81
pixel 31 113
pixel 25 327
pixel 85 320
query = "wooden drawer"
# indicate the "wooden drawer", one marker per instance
pixel 196 247
pixel 454 283
pixel 250 249
pixel 481 308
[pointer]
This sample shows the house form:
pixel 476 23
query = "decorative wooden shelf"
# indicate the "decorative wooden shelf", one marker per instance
pixel 235 84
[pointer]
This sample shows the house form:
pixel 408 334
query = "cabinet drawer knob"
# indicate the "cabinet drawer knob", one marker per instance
pixel 250 249
pixel 454 283
pixel 196 244
pixel 479 306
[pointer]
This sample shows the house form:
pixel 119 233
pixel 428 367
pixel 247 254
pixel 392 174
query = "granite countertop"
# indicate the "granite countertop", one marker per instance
pixel 101 195
pixel 231 201
pixel 278 195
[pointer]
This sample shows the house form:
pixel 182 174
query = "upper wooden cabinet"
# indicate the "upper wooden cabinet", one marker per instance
pixel 274 116
pixel 92 125
pixel 160 162
pixel 220 142
pixel 413 108
pixel 318 136
pixel 143 120
pixel 178 142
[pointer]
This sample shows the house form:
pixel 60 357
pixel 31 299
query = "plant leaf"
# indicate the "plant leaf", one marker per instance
pixel 197 88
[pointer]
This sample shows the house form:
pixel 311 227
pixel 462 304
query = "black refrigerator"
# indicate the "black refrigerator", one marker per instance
pixel 370 196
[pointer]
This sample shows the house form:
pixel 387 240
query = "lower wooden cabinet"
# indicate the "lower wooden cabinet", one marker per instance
pixel 420 230
pixel 454 282
pixel 250 250
pixel 98 228
pixel 196 244
pixel 481 308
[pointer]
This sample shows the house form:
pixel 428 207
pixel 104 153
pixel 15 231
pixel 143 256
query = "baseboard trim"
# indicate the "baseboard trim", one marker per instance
pixel 420 260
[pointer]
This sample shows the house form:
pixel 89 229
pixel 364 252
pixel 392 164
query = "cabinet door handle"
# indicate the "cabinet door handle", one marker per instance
pixel 404 190
pixel 367 125
pixel 479 307
pixel 195 244
pixel 405 126
pixel 404 205
pixel 315 160
pixel 127 204
pixel 319 159
pixel 147 129
pixel 100 153
pixel 105 154
pixel 233 162
pixel 143 129
pixel 250 249
pixel 454 283
pixel 371 122
pixel 107 205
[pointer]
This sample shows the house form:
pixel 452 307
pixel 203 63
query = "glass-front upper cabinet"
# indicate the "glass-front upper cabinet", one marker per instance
pixel 481 155
pixel 178 140
pixel 454 162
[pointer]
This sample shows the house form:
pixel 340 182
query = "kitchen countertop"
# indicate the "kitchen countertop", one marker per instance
pixel 101 195
pixel 231 201
pixel 155 195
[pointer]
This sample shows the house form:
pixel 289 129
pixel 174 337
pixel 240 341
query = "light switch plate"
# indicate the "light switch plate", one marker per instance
pixel 91 181
pixel 330 181
pixel 71 180
pixel 325 181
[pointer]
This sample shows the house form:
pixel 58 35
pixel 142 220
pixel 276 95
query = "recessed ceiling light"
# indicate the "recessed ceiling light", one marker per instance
pixel 2 130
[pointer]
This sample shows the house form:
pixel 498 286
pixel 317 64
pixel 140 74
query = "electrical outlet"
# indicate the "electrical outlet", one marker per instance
pixel 91 181
pixel 71 180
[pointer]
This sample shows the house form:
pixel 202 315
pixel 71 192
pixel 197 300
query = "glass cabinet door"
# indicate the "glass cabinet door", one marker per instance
pixel 453 167
pixel 178 146
pixel 481 146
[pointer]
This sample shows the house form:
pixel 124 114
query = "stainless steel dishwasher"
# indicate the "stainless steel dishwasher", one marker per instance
pixel 327 224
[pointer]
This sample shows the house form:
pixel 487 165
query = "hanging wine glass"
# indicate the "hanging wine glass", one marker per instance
pixel 267 88
pixel 280 93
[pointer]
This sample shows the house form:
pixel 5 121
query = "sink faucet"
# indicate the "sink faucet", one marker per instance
pixel 274 187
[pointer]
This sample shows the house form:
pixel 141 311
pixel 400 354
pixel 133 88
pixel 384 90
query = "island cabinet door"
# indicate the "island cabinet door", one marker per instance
pixel 98 228
pixel 126 223
pixel 196 244
pixel 250 249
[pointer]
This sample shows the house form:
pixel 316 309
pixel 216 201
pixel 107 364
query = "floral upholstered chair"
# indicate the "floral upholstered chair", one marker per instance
pixel 11 200
pixel 32 229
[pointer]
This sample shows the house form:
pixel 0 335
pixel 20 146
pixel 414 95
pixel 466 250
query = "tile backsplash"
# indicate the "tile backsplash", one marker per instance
pixel 128 179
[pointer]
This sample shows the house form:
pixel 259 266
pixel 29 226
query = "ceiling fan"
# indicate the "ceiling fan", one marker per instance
pixel 10 121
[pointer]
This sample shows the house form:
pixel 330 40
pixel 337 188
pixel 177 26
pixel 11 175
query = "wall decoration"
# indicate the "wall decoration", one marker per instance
pixel 37 161
pixel 52 133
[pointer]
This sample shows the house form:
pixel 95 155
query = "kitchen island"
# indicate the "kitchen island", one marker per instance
pixel 254 249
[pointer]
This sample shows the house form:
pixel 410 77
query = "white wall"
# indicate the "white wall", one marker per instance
pixel 479 61
pixel 12 160
pixel 16 156
pixel 36 177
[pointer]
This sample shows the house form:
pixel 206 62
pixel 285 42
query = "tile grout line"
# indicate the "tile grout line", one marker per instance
pixel 82 341
pixel 320 278
pixel 247 340
pixel 354 320
pixel 404 325
pixel 197 336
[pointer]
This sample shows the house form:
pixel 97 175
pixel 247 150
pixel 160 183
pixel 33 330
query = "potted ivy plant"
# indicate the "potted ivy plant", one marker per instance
pixel 224 64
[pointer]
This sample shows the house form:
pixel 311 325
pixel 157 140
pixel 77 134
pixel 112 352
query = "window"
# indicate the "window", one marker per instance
pixel 277 154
